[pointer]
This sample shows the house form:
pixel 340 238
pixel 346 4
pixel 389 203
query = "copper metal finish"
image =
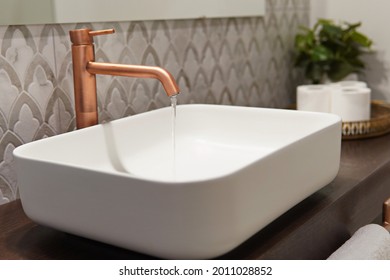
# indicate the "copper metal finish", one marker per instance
pixel 386 214
pixel 85 36
pixel 85 70
pixel 136 71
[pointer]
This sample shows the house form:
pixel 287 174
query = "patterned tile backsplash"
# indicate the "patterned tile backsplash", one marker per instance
pixel 238 61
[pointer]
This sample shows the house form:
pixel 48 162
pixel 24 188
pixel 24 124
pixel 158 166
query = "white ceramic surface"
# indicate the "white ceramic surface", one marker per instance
pixel 237 169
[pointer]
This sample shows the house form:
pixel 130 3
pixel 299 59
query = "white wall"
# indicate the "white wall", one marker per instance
pixel 375 18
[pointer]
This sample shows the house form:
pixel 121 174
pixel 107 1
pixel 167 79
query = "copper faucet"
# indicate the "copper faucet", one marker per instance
pixel 85 69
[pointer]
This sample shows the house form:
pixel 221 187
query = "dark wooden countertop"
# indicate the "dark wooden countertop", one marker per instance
pixel 313 229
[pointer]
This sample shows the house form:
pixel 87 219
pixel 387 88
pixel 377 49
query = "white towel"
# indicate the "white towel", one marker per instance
pixel 371 242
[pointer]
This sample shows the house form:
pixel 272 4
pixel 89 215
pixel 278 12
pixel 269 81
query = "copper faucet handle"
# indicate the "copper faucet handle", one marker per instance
pixel 101 32
pixel 85 36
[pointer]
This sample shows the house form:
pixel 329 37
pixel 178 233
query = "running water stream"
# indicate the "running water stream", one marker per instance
pixel 173 105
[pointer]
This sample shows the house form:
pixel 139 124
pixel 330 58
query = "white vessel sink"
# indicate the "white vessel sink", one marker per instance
pixel 236 169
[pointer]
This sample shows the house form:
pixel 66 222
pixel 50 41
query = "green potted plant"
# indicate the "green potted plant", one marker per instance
pixel 330 51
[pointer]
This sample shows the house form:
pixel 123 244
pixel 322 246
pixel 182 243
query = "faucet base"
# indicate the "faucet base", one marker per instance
pixel 86 119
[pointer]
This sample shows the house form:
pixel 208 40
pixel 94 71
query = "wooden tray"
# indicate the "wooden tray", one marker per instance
pixel 379 123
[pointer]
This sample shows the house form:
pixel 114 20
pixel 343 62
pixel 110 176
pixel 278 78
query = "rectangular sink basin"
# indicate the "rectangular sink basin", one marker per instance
pixel 234 170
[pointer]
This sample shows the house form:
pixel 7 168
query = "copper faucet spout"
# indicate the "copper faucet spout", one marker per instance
pixel 136 71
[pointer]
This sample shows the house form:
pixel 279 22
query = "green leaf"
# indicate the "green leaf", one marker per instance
pixel 301 60
pixel 323 21
pixel 339 70
pixel 315 73
pixel 361 39
pixel 303 42
pixel 331 31
pixel 353 26
pixel 321 53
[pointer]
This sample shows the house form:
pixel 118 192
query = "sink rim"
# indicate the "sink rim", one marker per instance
pixel 21 150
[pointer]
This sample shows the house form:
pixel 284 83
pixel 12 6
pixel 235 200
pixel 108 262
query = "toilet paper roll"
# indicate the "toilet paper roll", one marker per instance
pixel 314 98
pixel 350 84
pixel 351 103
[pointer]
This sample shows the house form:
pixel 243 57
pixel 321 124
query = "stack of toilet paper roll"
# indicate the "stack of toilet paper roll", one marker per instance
pixel 351 100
